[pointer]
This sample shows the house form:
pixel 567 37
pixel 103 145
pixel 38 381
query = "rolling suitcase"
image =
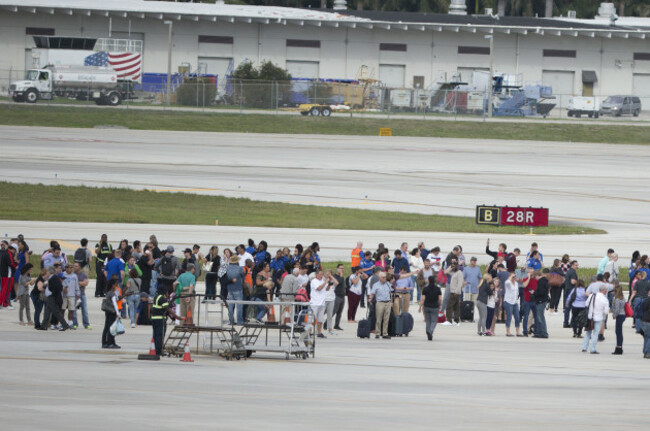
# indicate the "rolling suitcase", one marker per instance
pixel 363 330
pixel 366 325
pixel 407 323
pixel 398 326
pixel 467 311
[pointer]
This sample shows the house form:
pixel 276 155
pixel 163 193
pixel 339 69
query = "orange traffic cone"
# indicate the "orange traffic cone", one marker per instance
pixel 187 357
pixel 271 317
pixel 152 348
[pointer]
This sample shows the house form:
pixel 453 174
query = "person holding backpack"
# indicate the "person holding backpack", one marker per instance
pixel 83 256
pixel 168 268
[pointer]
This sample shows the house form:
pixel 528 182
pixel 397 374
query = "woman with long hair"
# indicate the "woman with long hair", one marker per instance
pixel 213 261
pixel 555 282
pixel 618 313
pixel 108 340
pixel 565 263
pixel 484 291
pixel 383 259
pixel 37 294
pixel 22 293
pixel 511 304
pixel 307 260
pixel 221 273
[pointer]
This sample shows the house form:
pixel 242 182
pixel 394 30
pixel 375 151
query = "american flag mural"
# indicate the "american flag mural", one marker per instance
pixel 128 65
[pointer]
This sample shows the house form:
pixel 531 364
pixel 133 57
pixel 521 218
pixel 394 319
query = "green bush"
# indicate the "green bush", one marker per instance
pixel 196 92
pixel 261 87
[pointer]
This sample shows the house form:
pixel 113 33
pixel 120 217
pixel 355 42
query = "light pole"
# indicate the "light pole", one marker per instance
pixel 169 61
pixel 491 77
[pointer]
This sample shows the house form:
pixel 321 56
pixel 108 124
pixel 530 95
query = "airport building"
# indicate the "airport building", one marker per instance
pixel 604 56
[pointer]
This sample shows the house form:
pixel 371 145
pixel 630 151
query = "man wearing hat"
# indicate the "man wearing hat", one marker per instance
pixel 168 268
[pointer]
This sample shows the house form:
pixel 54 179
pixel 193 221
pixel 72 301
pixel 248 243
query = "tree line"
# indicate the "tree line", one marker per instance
pixel 583 8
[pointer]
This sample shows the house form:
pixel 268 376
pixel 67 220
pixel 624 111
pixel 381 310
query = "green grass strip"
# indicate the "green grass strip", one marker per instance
pixel 114 205
pixel 43 115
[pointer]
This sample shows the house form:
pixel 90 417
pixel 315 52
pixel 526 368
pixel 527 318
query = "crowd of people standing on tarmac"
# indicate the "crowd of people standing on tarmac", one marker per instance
pixel 514 289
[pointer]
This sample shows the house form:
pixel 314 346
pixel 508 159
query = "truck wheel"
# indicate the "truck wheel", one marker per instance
pixel 31 96
pixel 636 113
pixel 314 111
pixel 326 112
pixel 114 99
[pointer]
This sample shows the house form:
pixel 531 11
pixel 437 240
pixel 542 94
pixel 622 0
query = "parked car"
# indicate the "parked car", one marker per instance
pixel 619 105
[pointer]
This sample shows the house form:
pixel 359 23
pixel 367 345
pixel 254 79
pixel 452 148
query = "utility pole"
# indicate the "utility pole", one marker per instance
pixel 169 62
pixel 491 77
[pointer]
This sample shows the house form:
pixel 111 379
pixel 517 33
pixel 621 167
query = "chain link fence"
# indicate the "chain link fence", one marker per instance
pixel 356 98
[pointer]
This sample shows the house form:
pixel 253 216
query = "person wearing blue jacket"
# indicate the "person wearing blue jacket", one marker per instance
pixel 262 255
pixel 367 265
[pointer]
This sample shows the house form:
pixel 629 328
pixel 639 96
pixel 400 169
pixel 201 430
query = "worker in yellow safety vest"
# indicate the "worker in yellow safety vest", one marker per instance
pixel 159 312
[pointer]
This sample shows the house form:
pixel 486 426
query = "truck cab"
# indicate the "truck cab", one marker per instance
pixel 36 85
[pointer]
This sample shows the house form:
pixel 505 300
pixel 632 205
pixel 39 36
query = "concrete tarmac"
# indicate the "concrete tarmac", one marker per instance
pixel 64 380
pixel 459 381
pixel 587 184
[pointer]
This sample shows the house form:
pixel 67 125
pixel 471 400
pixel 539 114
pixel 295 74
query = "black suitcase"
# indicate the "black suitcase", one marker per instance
pixel 363 330
pixel 467 311
pixel 407 323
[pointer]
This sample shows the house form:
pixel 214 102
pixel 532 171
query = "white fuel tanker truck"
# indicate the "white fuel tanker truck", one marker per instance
pixel 100 84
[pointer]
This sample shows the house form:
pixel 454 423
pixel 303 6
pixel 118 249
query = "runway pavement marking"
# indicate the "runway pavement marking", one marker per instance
pixel 186 190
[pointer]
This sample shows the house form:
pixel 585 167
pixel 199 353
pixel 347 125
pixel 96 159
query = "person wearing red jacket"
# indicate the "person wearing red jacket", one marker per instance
pixel 7 268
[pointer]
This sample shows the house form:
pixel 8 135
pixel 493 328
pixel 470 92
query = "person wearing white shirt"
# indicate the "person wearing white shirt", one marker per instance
pixel 598 307
pixel 330 297
pixel 417 265
pixel 511 304
pixel 243 258
pixel 436 259
pixel 354 293
pixel 320 286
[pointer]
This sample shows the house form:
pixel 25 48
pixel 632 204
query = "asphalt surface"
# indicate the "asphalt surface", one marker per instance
pixel 459 381
pixel 64 380
pixel 594 185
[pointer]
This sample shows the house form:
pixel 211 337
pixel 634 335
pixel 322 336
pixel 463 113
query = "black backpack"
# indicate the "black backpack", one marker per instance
pixel 81 257
pixel 166 266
